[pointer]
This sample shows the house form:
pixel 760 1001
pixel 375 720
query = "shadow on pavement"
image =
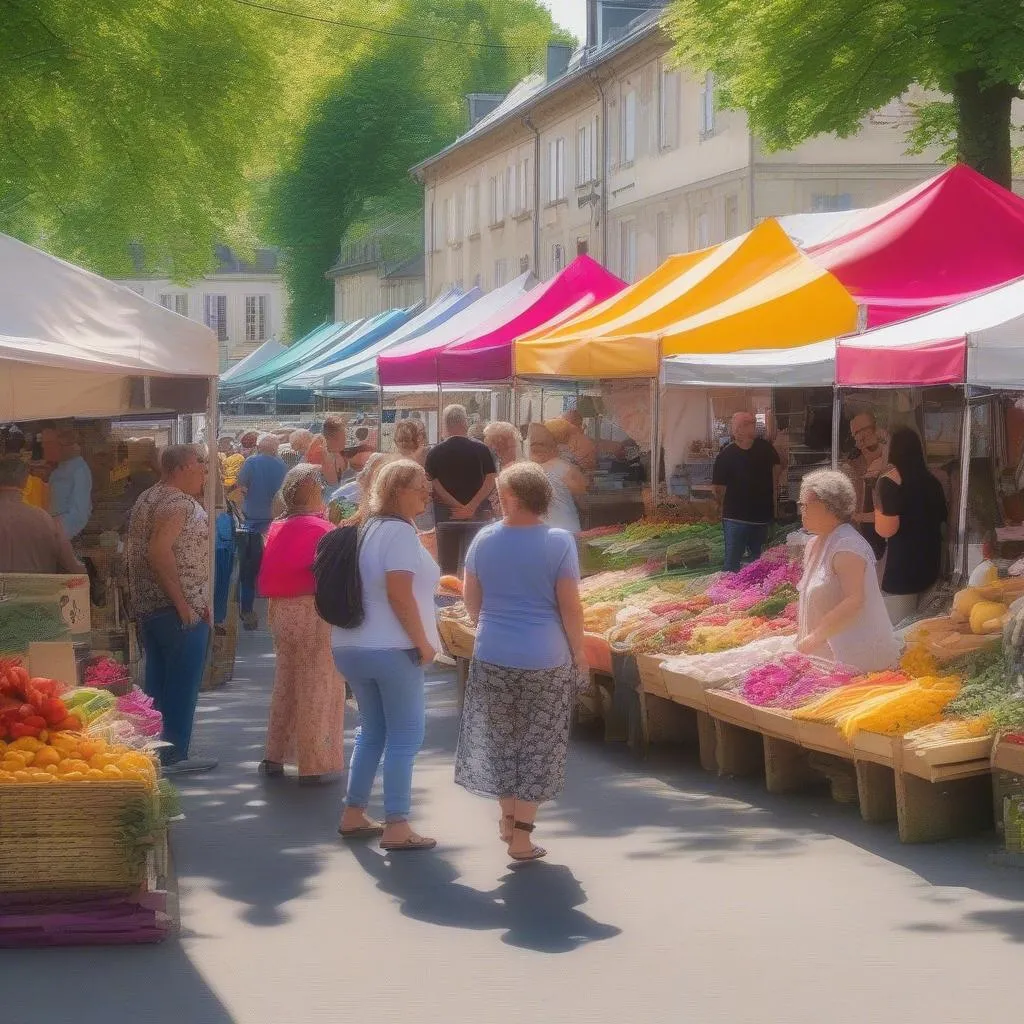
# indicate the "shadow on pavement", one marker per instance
pixel 535 904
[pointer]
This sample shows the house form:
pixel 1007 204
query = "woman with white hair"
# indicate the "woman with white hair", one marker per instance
pixel 307 709
pixel 842 616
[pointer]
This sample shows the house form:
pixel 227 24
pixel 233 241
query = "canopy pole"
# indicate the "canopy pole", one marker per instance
pixel 655 442
pixel 212 476
pixel 837 424
pixel 440 400
pixel 380 419
pixel 960 565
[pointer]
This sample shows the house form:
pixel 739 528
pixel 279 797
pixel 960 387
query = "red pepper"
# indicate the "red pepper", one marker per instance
pixel 36 721
pixel 19 729
pixel 53 710
pixel 1016 738
pixel 70 724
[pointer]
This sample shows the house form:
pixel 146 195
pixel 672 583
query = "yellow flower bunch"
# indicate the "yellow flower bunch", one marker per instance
pixel 918 662
pixel 899 711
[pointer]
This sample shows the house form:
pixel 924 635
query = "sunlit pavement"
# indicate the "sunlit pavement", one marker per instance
pixel 668 895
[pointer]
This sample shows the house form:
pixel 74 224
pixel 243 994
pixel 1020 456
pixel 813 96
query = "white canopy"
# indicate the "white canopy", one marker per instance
pixel 73 343
pixel 254 360
pixel 978 341
pixel 809 229
pixel 803 366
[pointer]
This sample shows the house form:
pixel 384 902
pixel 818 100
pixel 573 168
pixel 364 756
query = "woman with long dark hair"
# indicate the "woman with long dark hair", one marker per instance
pixel 910 510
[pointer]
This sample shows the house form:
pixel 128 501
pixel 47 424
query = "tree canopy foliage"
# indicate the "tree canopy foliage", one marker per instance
pixel 143 121
pixel 801 69
pixel 401 99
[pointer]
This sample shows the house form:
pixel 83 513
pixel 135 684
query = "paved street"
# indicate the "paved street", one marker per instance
pixel 669 895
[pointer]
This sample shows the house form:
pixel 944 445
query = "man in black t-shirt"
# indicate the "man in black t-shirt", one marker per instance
pixel 745 479
pixel 462 473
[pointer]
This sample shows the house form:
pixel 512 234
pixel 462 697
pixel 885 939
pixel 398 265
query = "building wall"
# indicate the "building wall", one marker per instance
pixel 678 175
pixel 364 294
pixel 235 344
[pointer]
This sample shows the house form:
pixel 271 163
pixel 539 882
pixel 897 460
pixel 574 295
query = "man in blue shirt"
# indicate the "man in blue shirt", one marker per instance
pixel 259 481
pixel 70 482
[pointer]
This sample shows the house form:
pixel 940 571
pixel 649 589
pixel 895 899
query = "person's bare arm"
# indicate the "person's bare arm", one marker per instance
pixel 850 570
pixel 575 481
pixel 67 560
pixel 403 604
pixel 885 526
pixel 161 557
pixel 443 496
pixel 570 608
pixel 473 596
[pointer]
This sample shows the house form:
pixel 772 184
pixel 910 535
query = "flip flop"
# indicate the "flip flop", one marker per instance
pixel 412 843
pixel 371 831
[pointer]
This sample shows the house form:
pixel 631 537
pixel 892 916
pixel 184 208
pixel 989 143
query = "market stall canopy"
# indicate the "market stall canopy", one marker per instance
pixel 318 341
pixel 486 356
pixel 979 341
pixel 268 350
pixel 75 344
pixel 358 376
pixel 804 366
pixel 415 362
pixel 754 291
pixel 939 243
pixel 437 313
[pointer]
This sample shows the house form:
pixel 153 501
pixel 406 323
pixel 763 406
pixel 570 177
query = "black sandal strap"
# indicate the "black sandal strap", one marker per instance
pixel 523 826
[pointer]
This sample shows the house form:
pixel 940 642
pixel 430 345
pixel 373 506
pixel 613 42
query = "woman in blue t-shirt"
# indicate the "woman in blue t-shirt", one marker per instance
pixel 522 588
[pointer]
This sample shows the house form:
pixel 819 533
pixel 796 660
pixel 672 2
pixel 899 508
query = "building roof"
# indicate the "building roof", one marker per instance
pixel 534 88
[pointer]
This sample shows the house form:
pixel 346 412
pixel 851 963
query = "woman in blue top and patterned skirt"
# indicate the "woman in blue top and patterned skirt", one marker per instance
pixel 522 588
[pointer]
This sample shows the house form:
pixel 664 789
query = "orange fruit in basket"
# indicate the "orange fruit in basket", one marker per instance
pixel 73 764
pixel 72 777
pixel 95 775
pixel 6 777
pixel 48 755
pixel 111 771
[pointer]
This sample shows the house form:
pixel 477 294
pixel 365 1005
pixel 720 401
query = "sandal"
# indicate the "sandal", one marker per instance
pixel 271 769
pixel 368 831
pixel 505 825
pixel 536 852
pixel 414 842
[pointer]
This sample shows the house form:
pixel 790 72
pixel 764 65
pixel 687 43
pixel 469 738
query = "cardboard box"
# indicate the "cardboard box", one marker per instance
pixel 62 603
pixel 1008 757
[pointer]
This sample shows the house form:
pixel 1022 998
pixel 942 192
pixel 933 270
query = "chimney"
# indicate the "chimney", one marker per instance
pixel 592 23
pixel 559 55
pixel 481 104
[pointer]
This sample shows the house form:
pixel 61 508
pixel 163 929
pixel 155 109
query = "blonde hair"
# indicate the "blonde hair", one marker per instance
pixel 392 478
pixel 301 482
pixel 500 434
pixel 408 436
pixel 530 486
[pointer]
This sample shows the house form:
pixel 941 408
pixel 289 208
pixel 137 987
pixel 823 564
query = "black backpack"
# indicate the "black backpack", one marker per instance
pixel 339 586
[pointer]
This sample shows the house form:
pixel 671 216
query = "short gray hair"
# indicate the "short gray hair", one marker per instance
pixel 177 456
pixel 530 484
pixel 301 482
pixel 834 490
pixel 455 418
pixel 13 472
pixel 268 444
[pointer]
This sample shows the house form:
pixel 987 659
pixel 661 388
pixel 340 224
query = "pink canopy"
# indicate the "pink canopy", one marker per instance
pixel 484 355
pixel 939 243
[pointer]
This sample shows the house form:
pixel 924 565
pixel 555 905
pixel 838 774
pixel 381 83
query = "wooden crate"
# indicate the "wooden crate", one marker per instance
pixel 684 689
pixel 826 739
pixel 70 836
pixel 1008 757
pixel 779 724
pixel 727 707
pixel 649 667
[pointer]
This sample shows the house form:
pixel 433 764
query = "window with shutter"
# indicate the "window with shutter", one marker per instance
pixel 627 137
pixel 181 304
pixel 473 210
pixel 665 242
pixel 215 315
pixel 583 171
pixel 732 216
pixel 256 318
pixel 557 258
pixel 562 176
pixel 500 273
pixel 525 203
pixel 627 251
pixel 707 106
pixel 668 109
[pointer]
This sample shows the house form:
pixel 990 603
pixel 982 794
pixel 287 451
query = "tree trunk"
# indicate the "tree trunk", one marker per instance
pixel 983 125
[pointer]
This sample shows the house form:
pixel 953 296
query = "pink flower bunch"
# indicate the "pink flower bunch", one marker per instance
pixel 138 708
pixel 105 673
pixel 791 682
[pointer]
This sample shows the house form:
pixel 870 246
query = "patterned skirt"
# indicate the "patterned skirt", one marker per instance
pixel 514 735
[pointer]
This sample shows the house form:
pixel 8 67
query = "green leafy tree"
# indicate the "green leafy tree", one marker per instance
pixel 143 121
pixel 800 69
pixel 400 100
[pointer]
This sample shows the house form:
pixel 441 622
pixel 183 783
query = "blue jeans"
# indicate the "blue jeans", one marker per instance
pixel 741 538
pixel 250 558
pixel 175 662
pixel 390 692
pixel 223 567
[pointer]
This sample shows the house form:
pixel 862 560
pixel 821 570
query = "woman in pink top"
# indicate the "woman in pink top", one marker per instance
pixel 307 710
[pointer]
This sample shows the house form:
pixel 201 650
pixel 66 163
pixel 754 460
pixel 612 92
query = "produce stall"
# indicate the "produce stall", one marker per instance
pixel 82 821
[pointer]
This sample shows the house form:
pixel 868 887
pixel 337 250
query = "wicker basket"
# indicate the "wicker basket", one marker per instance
pixel 70 836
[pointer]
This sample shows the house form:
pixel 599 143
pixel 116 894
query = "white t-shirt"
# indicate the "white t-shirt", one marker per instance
pixel 390 545
pixel 562 513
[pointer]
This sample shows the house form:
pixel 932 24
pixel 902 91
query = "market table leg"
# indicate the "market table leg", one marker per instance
pixel 707 741
pixel 785 767
pixel 930 811
pixel 740 751
pixel 876 792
